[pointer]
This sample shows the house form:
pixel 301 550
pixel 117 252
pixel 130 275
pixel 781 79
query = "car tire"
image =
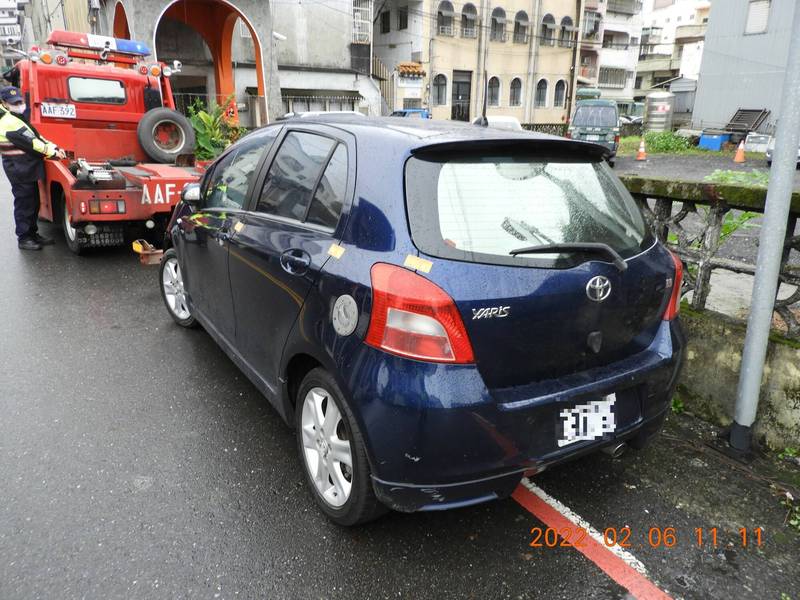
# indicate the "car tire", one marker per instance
pixel 174 295
pixel 343 504
pixel 611 163
pixel 72 235
pixel 178 131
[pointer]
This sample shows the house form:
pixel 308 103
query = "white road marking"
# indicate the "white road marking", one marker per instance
pixel 579 521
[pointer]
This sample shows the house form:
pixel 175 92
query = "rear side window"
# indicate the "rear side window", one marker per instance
pixel 96 91
pixel 595 116
pixel 480 209
pixel 307 180
pixel 329 197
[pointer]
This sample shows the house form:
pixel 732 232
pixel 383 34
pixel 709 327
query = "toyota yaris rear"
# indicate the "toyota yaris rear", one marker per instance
pixel 488 305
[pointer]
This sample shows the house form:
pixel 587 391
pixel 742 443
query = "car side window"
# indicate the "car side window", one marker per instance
pixel 294 173
pixel 227 186
pixel 329 196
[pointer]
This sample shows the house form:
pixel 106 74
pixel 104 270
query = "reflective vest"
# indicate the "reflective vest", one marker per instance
pixel 22 149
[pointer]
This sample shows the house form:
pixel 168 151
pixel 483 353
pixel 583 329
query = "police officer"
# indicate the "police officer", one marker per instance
pixel 24 151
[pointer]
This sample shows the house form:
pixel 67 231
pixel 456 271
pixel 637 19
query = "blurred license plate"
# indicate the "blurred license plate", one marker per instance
pixel 590 421
pixel 59 111
pixel 592 138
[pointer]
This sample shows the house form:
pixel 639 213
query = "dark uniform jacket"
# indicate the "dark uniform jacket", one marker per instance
pixel 23 149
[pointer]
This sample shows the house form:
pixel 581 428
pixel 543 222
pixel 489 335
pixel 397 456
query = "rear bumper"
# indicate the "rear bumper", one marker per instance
pixel 430 497
pixel 437 438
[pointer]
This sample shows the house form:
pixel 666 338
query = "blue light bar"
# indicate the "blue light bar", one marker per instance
pixel 71 39
pixel 132 47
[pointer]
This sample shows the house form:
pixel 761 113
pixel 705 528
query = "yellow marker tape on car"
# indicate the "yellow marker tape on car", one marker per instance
pixel 238 227
pixel 336 251
pixel 417 263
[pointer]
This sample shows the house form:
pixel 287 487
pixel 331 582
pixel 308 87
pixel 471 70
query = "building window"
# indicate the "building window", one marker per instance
pixel 614 78
pixel 521 24
pixel 541 94
pixel 386 21
pixel 402 17
pixel 548 35
pixel 567 33
pixel 469 20
pixel 560 94
pixel 757 16
pixel 638 83
pixel 591 24
pixel 444 18
pixel 493 96
pixel 498 30
pixel 440 89
pixel 412 103
pixel 515 94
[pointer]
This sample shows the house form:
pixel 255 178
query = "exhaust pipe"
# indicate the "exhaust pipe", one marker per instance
pixel 616 450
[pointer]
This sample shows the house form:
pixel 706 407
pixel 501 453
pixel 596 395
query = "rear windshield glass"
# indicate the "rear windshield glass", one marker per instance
pixel 98 91
pixel 595 116
pixel 480 209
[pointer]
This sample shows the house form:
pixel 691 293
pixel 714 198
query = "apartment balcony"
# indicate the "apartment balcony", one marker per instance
pixel 498 36
pixel 658 62
pixel 625 7
pixel 619 57
pixel 686 34
pixel 588 72
pixel 591 4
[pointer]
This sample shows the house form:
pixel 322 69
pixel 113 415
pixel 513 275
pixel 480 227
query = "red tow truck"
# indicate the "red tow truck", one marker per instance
pixel 129 152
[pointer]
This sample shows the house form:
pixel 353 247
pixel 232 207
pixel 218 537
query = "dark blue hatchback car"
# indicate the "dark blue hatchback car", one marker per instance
pixel 437 308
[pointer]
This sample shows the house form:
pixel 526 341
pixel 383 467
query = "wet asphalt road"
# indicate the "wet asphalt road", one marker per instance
pixel 137 462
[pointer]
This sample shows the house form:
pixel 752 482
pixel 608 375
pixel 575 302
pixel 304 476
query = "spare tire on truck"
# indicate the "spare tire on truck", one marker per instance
pixel 164 134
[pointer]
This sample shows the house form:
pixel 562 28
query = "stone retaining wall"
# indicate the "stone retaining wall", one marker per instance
pixel 709 381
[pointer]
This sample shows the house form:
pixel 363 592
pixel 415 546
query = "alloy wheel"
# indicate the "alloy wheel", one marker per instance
pixel 174 292
pixel 326 447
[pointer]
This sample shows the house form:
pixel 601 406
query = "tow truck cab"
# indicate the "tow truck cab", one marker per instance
pixel 130 153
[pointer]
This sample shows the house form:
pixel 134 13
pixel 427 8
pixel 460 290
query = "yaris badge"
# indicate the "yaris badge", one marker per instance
pixel 598 288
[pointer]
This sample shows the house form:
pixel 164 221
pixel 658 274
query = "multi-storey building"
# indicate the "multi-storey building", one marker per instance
pixel 610 36
pixel 517 55
pixel 671 43
pixel 622 30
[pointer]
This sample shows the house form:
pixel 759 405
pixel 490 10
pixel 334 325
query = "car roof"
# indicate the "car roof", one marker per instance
pixel 413 135
pixel 597 102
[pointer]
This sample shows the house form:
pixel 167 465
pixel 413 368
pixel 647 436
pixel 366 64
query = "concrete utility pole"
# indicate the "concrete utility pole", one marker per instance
pixel 770 250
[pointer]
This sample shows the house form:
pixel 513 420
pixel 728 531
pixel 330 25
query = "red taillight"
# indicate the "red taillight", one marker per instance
pixel 83 207
pixel 411 316
pixel 674 306
pixel 616 139
pixel 97 207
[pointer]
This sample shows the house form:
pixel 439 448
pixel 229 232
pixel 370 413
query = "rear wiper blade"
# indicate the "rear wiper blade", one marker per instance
pixel 596 247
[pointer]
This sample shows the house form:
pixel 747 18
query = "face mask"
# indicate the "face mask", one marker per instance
pixel 17 108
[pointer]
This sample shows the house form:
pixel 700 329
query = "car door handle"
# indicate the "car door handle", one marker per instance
pixel 295 261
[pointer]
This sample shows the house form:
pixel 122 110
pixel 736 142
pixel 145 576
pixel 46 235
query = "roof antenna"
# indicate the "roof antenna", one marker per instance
pixel 484 122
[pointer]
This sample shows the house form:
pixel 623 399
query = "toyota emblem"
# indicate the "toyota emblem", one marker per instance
pixel 598 288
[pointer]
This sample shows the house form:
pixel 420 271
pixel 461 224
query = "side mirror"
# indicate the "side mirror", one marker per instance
pixel 191 195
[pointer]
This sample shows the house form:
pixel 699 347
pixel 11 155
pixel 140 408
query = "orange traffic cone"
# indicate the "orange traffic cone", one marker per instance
pixel 641 154
pixel 739 157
